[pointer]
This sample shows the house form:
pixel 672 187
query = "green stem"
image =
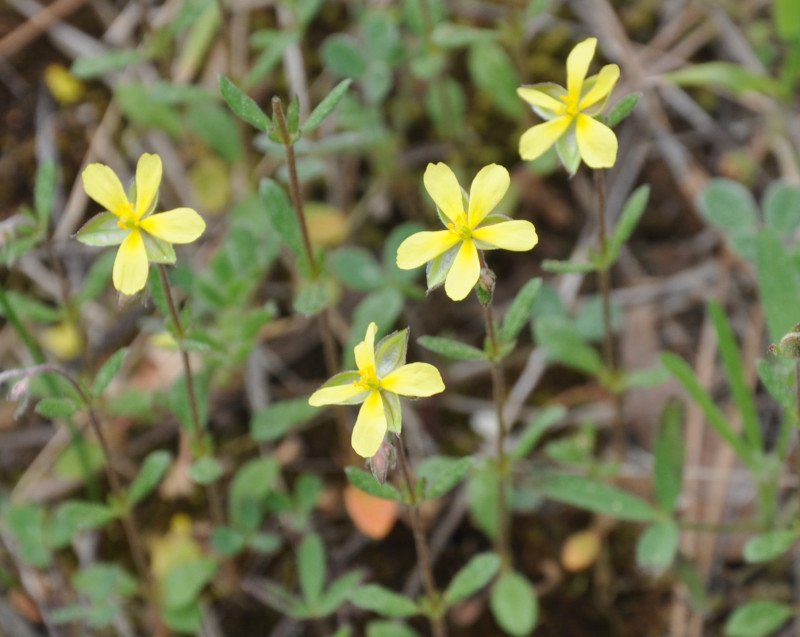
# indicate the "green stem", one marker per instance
pixel 434 598
pixel 212 491
pixel 604 279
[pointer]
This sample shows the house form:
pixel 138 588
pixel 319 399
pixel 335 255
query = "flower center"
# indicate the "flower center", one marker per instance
pixel 369 378
pixel 570 108
pixel 460 226
pixel 127 218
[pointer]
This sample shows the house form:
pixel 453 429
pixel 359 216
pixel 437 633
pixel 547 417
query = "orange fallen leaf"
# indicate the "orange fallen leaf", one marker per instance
pixel 581 550
pixel 374 517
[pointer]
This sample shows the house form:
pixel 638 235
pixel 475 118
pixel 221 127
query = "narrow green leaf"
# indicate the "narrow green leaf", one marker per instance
pixel 622 109
pixel 243 105
pixel 390 629
pixel 282 216
pixel 26 524
pixel 227 541
pixel 90 67
pixel 592 495
pixel 514 604
pixel 442 474
pixel 777 283
pixel 338 593
pixel 734 370
pixel 216 127
pixel 101 581
pixel 658 546
pixel 472 577
pixel 205 470
pixel 381 600
pixel 757 619
pixel 138 106
pixel 56 407
pixel 44 190
pixel 311 568
pixel 342 54
pixel 545 419
pixel 182 583
pixel 681 370
pixel 249 489
pixel 73 517
pixel 568 267
pixel 629 218
pixel 107 372
pixel 274 421
pixel 326 106
pixel 786 14
pixel 781 205
pixel 450 348
pixel 154 467
pixel 726 76
pixel 770 545
pixel 668 465
pixel 520 310
pixel 312 298
pixel 482 489
pixel 367 483
pixel 356 268
pixel 494 73
pixel 293 115
pixel 565 346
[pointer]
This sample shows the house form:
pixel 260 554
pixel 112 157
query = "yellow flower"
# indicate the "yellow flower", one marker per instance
pixel 470 227
pixel 570 114
pixel 381 378
pixel 142 236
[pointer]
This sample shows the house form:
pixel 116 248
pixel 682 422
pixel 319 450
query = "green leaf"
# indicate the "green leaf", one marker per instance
pixel 44 190
pixel 568 267
pixel 325 107
pixel 90 67
pixel 138 106
pixel 728 205
pixel 338 593
pixel 622 109
pixel 782 207
pixel 341 53
pixel 382 37
pixel 274 421
pixel 668 465
pixel 520 310
pixel 56 407
pixel 442 474
pixel 99 581
pixel 183 619
pixel 249 489
pixel 734 370
pixel 658 546
pixel 589 322
pixel 681 370
pixel 631 213
pixel 154 467
pixel 311 568
pixel 26 524
pixel 472 577
pixel 312 298
pixel 564 345
pixel 482 490
pixel 514 604
pixel 182 583
pixel 493 72
pixel 389 629
pixel 599 497
pixel 450 348
pixel 205 470
pixel 282 216
pixel 273 44
pixel 381 307
pixel 216 127
pixel 356 268
pixel 367 483
pixel 243 105
pixel 264 542
pixel 107 372
pixel 777 283
pixel 456 36
pixel 545 419
pixel 446 104
pixel 770 545
pixel 757 619
pixel 786 14
pixel 293 115
pixel 73 517
pixel 226 541
pixel 726 76
pixel 396 237
pixel 381 600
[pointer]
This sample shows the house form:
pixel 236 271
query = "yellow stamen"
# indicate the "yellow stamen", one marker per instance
pixel 369 379
pixel 460 226
pixel 570 108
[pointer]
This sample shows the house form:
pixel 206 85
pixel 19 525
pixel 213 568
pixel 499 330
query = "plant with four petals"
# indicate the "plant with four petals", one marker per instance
pixel 453 253
pixel 142 237
pixel 381 379
pixel 571 112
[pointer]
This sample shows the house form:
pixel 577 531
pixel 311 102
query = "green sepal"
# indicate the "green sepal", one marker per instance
pixel 437 269
pixel 568 152
pixel 392 409
pixel 390 352
pixel 158 250
pixel 102 230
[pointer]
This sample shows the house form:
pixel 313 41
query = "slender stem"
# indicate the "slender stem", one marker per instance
pixel 503 539
pixel 212 491
pixel 437 624
pixel 604 279
pixel 797 385
pixel 226 36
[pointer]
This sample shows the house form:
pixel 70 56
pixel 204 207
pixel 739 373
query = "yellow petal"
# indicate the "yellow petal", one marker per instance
pixel 182 225
pixel 603 85
pixel 421 247
pixel 442 186
pixel 536 140
pixel 518 235
pixel 596 142
pixel 103 185
pixel 335 395
pixel 148 179
pixel 539 98
pixel 486 191
pixel 370 426
pixel 464 272
pixel 414 379
pixel 578 64
pixel 130 266
pixel 365 350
